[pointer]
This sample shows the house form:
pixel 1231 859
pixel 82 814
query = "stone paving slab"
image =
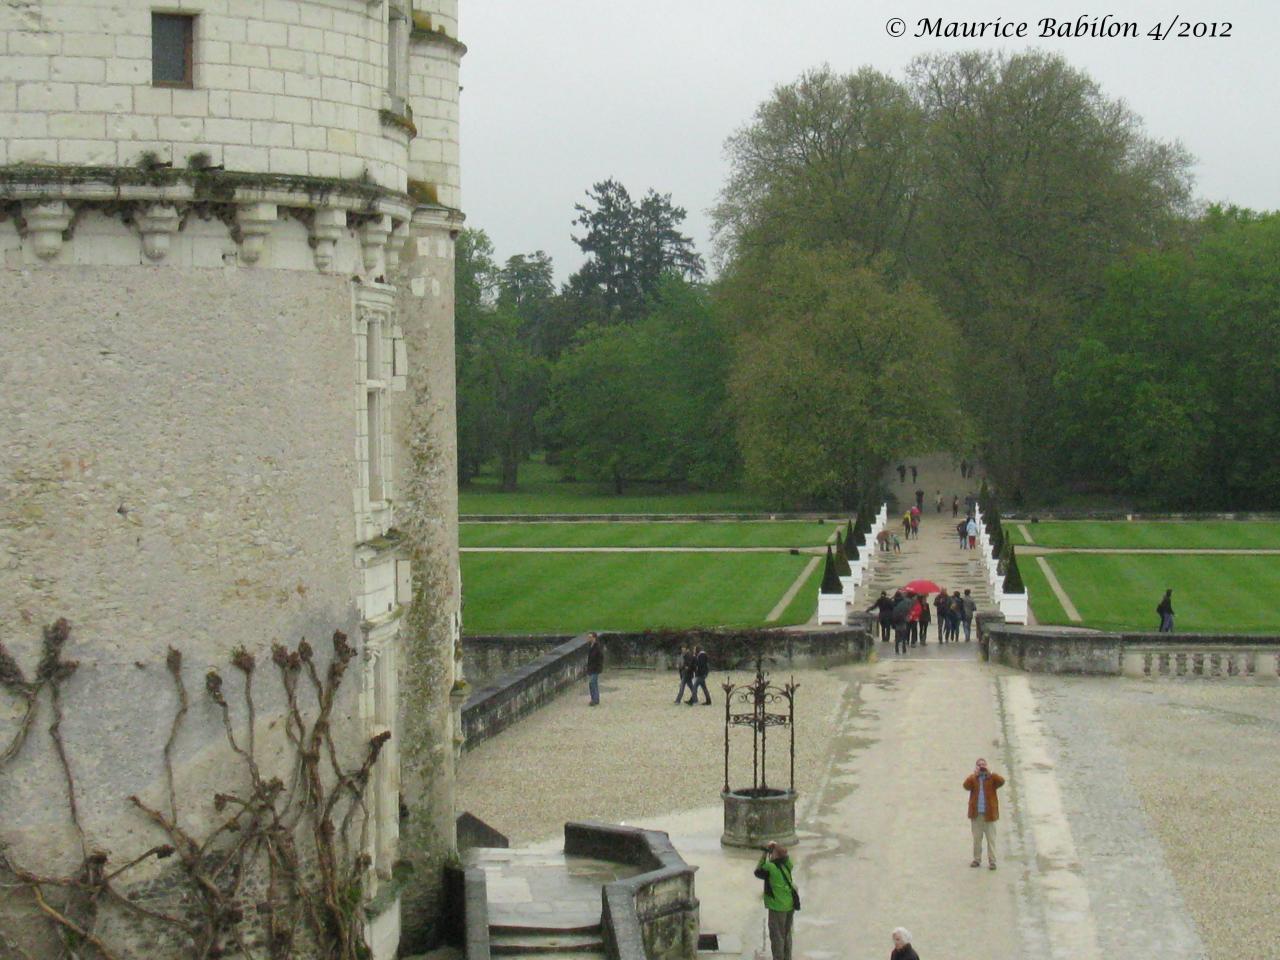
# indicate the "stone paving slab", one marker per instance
pixel 543 888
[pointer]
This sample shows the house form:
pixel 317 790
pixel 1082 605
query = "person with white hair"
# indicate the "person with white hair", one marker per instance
pixel 902 948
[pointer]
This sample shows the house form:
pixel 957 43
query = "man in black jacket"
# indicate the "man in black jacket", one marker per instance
pixel 687 662
pixel 701 667
pixel 595 666
pixel 884 609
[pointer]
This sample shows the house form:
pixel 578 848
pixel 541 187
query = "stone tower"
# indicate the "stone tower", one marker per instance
pixel 227 424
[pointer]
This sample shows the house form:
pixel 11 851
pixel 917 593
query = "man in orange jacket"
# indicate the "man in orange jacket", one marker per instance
pixel 984 810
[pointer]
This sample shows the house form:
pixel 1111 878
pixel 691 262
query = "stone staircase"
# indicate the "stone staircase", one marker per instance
pixel 546 942
pixel 936 556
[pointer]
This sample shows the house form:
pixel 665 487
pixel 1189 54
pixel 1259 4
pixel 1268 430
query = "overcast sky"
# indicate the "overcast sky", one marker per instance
pixel 559 94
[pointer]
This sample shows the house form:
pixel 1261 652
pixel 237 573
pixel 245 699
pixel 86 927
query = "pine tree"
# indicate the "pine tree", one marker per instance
pixel 830 579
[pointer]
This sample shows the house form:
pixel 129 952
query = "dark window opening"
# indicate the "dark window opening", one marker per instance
pixel 171 35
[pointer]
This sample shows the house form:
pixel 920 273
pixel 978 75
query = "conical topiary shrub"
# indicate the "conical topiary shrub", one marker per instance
pixel 1012 578
pixel 849 534
pixel 842 567
pixel 850 550
pixel 984 494
pixel 830 578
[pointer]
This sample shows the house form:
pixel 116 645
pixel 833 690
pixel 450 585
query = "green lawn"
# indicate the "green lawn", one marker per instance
pixel 1168 534
pixel 1235 594
pixel 630 534
pixel 569 593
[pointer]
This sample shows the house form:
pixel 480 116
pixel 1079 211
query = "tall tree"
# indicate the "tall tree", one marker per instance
pixel 1035 183
pixel 827 159
pixel 826 383
pixel 629 248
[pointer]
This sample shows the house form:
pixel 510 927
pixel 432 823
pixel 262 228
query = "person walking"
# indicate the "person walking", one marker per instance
pixel 964 468
pixel 937 503
pixel 984 810
pixel 955 613
pixel 686 672
pixel 902 473
pixel 925 617
pixel 913 473
pixel 1165 609
pixel 940 616
pixel 901 622
pixel 971 530
pixel 906 525
pixel 883 539
pixel 595 667
pixel 780 898
pixel 968 607
pixel 915 526
pixel 913 618
pixel 919 494
pixel 902 948
pixel 701 667
pixel 962 528
pixel 884 615
pixel 955 506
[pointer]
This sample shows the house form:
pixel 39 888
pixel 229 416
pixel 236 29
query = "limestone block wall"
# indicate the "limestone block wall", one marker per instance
pixel 435 57
pixel 281 86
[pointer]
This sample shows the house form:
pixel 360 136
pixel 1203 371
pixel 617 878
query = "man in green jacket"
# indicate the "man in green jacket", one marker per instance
pixel 775 869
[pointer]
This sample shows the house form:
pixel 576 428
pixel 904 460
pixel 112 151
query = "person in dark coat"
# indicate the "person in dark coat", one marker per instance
pixel 595 667
pixel 901 621
pixel 1165 609
pixel 940 615
pixel 902 948
pixel 902 473
pixel 884 609
pixel 701 667
pixel 686 673
pixel 925 618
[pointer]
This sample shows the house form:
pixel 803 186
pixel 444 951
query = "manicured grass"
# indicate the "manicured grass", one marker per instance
pixel 1044 602
pixel 1235 594
pixel 630 534
pixel 804 604
pixel 569 593
pixel 1170 534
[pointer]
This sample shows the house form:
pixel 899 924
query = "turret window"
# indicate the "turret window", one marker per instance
pixel 171 57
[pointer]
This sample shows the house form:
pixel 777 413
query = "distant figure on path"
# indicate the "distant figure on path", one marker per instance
pixel 919 498
pixel 971 529
pixel 967 610
pixel 686 672
pixel 925 617
pixel 883 538
pixel 984 810
pixel 884 614
pixel 938 503
pixel 964 469
pixel 902 948
pixel 906 525
pixel 901 621
pixel 913 473
pixel 897 544
pixel 915 526
pixel 774 869
pixel 902 473
pixel 913 618
pixel 701 667
pixel 940 615
pixel 955 506
pixel 962 528
pixel 1166 612
pixel 595 667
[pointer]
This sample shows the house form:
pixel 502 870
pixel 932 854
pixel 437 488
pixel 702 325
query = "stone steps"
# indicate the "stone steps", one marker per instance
pixel 546 943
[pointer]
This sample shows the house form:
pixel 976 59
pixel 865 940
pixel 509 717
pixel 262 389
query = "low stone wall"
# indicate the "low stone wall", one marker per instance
pixel 486 658
pixel 511 696
pixel 651 916
pixel 467 911
pixel 497 706
pixel 1094 652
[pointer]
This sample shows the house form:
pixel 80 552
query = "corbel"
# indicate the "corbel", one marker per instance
pixel 254 221
pixel 157 222
pixel 46 220
pixel 327 226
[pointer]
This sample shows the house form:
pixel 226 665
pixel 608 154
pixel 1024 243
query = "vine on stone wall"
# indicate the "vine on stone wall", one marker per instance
pixel 281 875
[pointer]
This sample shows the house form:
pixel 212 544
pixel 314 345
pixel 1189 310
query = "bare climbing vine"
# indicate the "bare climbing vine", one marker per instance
pixel 280 875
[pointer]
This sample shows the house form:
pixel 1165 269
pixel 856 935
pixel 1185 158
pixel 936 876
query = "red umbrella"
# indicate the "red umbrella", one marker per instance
pixel 923 586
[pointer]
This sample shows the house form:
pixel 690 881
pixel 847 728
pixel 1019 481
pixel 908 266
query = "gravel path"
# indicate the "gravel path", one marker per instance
pixel 635 755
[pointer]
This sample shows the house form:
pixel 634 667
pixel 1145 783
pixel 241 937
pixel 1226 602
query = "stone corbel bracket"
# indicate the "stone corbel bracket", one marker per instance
pixel 46 220
pixel 255 221
pixel 327 227
pixel 373 245
pixel 157 222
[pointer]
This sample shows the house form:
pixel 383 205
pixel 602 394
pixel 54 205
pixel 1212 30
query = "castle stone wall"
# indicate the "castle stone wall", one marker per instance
pixel 281 86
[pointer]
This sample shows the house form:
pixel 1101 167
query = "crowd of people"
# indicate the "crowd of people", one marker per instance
pixel 908 616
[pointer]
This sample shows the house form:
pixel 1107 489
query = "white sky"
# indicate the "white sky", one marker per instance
pixel 559 94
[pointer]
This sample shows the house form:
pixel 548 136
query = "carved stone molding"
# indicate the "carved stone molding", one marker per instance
pixel 157 222
pixel 45 223
pixel 327 226
pixel 255 221
pixel 399 236
pixel 373 245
